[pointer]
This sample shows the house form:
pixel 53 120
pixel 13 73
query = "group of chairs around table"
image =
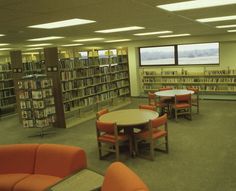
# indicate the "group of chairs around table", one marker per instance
pixel 178 105
pixel 109 133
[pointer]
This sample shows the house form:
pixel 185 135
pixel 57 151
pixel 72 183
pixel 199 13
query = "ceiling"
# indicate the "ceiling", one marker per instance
pixel 16 15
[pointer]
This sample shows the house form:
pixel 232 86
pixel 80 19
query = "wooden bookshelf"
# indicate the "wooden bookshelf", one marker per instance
pixel 220 81
pixel 7 91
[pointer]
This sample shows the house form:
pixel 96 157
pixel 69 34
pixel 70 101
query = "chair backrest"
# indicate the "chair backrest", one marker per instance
pixel 183 98
pixel 101 112
pixel 119 177
pixel 165 88
pixel 152 98
pixel 148 107
pixel 159 121
pixel 106 127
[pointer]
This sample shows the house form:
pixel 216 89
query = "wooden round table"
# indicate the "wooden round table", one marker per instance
pixel 172 93
pixel 129 117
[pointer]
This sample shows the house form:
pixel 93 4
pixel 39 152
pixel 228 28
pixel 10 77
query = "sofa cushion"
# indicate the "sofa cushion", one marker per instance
pixel 17 158
pixel 7 181
pixel 36 182
pixel 59 160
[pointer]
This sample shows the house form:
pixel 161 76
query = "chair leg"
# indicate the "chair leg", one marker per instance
pixel 166 143
pixel 175 114
pixel 117 151
pixel 100 150
pixel 151 150
pixel 136 147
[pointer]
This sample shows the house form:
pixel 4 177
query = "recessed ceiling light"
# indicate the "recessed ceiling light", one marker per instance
pixel 118 40
pixel 214 19
pixel 64 23
pixel 2 34
pixel 4 44
pixel 38 48
pixel 71 45
pixel 233 30
pixel 225 26
pixel 120 29
pixel 46 38
pixel 30 53
pixel 5 49
pixel 152 33
pixel 174 35
pixel 35 45
pixel 197 4
pixel 88 39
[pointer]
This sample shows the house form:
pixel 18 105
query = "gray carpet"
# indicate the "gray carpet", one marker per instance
pixel 202 151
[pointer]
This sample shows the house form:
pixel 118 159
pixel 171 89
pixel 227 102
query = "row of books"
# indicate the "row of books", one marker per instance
pixel 7 93
pixel 8 101
pixel 6 75
pixel 190 80
pixel 33 65
pixel 35 94
pixel 35 84
pixel 6 84
pixel 37 104
pixel 39 123
pixel 5 67
pixel 221 72
pixel 38 114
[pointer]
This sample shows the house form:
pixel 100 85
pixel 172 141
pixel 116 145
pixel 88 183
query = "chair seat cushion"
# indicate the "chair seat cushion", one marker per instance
pixel 182 105
pixel 155 134
pixel 36 182
pixel 7 181
pixel 111 138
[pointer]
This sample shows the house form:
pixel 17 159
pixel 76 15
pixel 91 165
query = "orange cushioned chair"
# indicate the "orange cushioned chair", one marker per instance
pixel 119 177
pixel 107 133
pixel 157 129
pixel 35 167
pixel 101 112
pixel 195 97
pixel 182 106
pixel 148 107
pixel 152 100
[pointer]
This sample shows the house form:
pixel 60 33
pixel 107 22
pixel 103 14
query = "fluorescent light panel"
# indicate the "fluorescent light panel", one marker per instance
pixel 46 38
pixel 152 33
pixel 66 45
pixel 197 4
pixel 225 26
pixel 38 48
pixel 233 30
pixel 214 19
pixel 35 45
pixel 120 29
pixel 64 23
pixel 174 35
pixel 88 39
pixel 4 44
pixel 118 40
pixel 5 49
pixel 2 34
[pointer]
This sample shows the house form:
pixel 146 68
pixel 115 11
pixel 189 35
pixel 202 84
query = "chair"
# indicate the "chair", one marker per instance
pixel 101 112
pixel 119 177
pixel 148 107
pixel 182 106
pixel 152 100
pixel 154 132
pixel 107 134
pixel 195 97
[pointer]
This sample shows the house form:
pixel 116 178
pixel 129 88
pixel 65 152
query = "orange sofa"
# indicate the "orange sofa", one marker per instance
pixel 35 167
pixel 119 177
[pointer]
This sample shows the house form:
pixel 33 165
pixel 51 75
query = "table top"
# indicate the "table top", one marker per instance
pixel 129 117
pixel 84 180
pixel 172 93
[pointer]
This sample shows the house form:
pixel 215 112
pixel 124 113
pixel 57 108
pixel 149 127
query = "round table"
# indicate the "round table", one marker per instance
pixel 172 93
pixel 129 117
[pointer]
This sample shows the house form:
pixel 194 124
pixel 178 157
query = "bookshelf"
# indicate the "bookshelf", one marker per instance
pixel 208 81
pixel 7 91
pixel 37 106
pixel 93 79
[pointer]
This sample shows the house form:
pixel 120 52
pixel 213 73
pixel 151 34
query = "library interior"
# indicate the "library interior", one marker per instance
pixel 117 95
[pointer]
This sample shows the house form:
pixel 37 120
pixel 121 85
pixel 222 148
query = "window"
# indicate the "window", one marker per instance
pixel 151 56
pixel 192 54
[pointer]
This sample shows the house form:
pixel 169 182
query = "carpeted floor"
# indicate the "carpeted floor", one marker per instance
pixel 202 151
